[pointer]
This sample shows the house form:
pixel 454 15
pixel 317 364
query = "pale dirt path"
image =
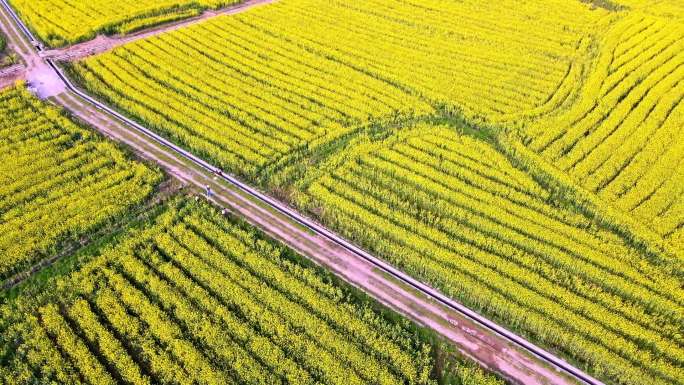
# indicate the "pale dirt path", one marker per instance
pixel 103 43
pixel 41 78
pixel 472 340
pixel 10 75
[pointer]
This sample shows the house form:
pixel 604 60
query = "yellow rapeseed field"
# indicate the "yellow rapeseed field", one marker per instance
pixel 192 297
pixel 526 157
pixel 58 181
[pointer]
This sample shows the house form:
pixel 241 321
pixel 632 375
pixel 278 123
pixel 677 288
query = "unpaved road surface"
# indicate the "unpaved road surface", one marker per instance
pixel 10 75
pixel 473 340
pixel 41 78
pixel 105 43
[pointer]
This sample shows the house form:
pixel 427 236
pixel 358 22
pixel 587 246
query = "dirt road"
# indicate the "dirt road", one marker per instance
pixel 472 340
pixel 41 78
pixel 105 43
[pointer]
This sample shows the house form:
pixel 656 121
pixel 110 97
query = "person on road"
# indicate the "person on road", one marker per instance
pixel 209 191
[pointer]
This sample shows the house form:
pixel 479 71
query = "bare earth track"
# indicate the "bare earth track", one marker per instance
pixel 495 348
pixel 472 340
pixel 105 43
pixel 9 75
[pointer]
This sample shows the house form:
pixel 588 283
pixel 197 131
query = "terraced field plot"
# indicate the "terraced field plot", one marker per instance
pixel 58 181
pixel 193 297
pixel 61 22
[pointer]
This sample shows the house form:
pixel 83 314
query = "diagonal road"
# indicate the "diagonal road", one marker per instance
pixel 105 43
pixel 382 282
pixel 476 337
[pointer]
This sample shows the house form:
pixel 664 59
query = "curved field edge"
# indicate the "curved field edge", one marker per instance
pixel 561 191
pixel 621 138
pixel 303 166
pixel 278 176
pixel 345 90
pixel 355 223
pixel 61 284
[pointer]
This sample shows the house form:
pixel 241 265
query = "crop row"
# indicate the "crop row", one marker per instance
pixel 58 181
pixel 443 207
pixel 194 297
pixel 623 137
